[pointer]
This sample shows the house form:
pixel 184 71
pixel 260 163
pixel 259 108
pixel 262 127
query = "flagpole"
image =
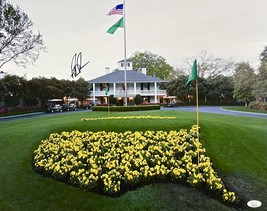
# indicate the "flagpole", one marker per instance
pixel 194 77
pixel 197 122
pixel 108 107
pixel 125 62
pixel 197 102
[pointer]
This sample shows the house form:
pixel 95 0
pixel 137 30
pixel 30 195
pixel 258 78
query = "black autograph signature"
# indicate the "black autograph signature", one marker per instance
pixel 76 65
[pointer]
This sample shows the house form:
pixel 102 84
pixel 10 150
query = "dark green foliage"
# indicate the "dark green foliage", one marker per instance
pixel 126 108
pixel 112 100
pixel 138 99
pixel 38 91
pixel 244 79
pixel 217 90
pixel 260 86
pixel 156 65
pixel 177 88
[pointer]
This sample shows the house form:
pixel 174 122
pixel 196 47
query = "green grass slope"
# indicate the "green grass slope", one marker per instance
pixel 236 145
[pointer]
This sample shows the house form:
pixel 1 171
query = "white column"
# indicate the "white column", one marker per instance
pixel 155 84
pixel 94 91
pixel 135 88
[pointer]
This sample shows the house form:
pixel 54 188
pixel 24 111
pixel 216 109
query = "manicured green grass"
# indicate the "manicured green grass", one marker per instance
pixel 236 145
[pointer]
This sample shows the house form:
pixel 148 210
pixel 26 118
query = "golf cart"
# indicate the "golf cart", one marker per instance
pixel 70 104
pixel 88 103
pixel 54 105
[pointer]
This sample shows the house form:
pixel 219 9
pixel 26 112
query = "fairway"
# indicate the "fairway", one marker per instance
pixel 236 145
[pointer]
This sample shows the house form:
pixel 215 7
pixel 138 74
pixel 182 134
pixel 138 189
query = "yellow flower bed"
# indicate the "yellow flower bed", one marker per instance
pixel 113 161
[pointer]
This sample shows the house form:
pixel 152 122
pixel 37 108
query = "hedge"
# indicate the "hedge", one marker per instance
pixel 126 108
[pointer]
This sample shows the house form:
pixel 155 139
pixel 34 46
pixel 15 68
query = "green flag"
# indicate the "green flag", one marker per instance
pixel 113 28
pixel 193 75
pixel 107 90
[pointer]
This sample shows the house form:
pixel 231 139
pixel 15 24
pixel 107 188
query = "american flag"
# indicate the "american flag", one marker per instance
pixel 118 10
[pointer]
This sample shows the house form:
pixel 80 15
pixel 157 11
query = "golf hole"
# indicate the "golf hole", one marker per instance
pixel 254 203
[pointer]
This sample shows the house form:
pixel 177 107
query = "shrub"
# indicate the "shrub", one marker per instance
pixel 112 100
pixel 258 105
pixel 6 111
pixel 126 108
pixel 138 99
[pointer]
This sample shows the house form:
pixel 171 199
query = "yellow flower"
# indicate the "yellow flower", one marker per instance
pixel 110 157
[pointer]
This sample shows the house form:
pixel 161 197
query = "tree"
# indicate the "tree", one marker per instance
pixel 156 65
pixel 210 91
pixel 16 87
pixel 209 66
pixel 176 87
pixel 45 89
pixel 18 43
pixel 15 90
pixel 263 55
pixel 260 87
pixel 3 90
pixel 35 87
pixel 220 88
pixel 81 89
pixel 244 79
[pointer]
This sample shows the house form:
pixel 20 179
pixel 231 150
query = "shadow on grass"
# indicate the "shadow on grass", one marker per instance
pixel 161 194
pixel 247 189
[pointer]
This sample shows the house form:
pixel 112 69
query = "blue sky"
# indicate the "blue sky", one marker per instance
pixel 174 29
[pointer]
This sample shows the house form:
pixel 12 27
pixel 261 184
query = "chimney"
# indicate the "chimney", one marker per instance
pixel 107 70
pixel 143 70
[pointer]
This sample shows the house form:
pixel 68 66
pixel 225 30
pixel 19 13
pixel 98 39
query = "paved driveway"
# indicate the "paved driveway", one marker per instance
pixel 217 110
pixel 208 109
pixel 22 116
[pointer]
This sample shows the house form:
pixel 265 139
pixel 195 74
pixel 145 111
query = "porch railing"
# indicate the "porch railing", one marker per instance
pixel 131 93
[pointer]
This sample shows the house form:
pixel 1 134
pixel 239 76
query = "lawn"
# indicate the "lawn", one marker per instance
pixel 236 145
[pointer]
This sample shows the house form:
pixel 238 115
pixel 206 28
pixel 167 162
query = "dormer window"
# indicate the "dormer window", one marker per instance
pixel 129 65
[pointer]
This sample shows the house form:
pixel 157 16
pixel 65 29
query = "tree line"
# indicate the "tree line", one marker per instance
pixel 220 80
pixel 215 86
pixel 18 91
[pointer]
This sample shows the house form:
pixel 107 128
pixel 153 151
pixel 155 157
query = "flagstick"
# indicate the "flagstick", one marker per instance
pixel 197 122
pixel 197 102
pixel 108 108
pixel 125 67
